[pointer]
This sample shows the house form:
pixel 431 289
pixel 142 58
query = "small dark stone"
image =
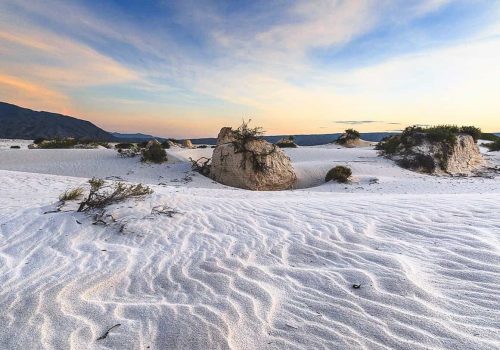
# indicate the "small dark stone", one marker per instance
pixel 356 286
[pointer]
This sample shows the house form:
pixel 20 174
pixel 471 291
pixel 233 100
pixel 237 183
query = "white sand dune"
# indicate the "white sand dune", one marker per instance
pixel 246 270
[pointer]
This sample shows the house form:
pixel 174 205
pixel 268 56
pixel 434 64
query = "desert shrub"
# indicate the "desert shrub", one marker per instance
pixel 418 162
pixel 15 147
pixel 155 153
pixel 494 146
pixel 38 140
pixel 58 143
pixel 349 134
pixel 244 133
pixel 339 173
pixel 101 195
pixel 472 131
pixel 389 145
pixel 71 195
pixel 201 165
pixel 124 145
pixel 489 137
pixel 352 134
pixel 131 152
pixel 286 144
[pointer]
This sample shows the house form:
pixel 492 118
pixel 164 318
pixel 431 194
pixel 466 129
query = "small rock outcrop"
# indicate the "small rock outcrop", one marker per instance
pixel 226 135
pixel 187 144
pixel 287 142
pixel 352 139
pixel 244 161
pixel 437 151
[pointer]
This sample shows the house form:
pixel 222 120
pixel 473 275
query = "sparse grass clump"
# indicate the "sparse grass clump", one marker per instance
pixel 154 153
pixel 71 195
pixel 101 195
pixel 339 173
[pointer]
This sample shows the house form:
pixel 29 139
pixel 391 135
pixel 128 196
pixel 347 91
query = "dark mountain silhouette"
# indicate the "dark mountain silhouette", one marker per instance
pixel 137 137
pixel 22 123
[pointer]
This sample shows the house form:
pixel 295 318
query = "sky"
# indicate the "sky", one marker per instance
pixel 187 68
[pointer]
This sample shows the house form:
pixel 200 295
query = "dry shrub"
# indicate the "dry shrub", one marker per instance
pixel 102 195
pixel 339 173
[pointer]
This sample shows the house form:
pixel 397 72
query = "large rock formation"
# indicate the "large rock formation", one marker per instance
pixel 457 155
pixel 254 164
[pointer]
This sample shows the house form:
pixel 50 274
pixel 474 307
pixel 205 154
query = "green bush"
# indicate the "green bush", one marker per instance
pixel 472 131
pixel 38 140
pixel 124 145
pixel 58 143
pixel 339 173
pixel 489 137
pixel 165 144
pixel 349 134
pixel 154 153
pixel 389 145
pixel 286 144
pixel 420 162
pixel 494 146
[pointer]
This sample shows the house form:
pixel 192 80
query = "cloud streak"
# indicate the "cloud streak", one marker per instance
pixel 209 63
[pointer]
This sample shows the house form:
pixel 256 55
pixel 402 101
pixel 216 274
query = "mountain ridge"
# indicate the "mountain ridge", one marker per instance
pixel 24 123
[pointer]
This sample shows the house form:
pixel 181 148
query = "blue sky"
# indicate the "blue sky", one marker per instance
pixel 187 68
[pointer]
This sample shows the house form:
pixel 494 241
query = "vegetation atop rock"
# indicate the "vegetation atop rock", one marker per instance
pixel 154 152
pixel 348 135
pixel 242 158
pixel 339 173
pixel 287 142
pixel 428 149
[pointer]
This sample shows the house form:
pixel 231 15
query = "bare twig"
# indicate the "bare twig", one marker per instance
pixel 105 335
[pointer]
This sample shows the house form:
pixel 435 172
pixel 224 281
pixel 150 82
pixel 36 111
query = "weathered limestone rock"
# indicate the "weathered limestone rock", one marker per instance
pixel 226 134
pixel 461 158
pixel 187 144
pixel 256 165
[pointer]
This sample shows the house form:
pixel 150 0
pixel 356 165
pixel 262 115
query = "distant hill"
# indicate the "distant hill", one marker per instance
pixel 308 140
pixel 22 123
pixel 137 137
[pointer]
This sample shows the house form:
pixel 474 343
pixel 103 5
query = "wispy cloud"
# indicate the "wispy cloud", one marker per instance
pixel 202 63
